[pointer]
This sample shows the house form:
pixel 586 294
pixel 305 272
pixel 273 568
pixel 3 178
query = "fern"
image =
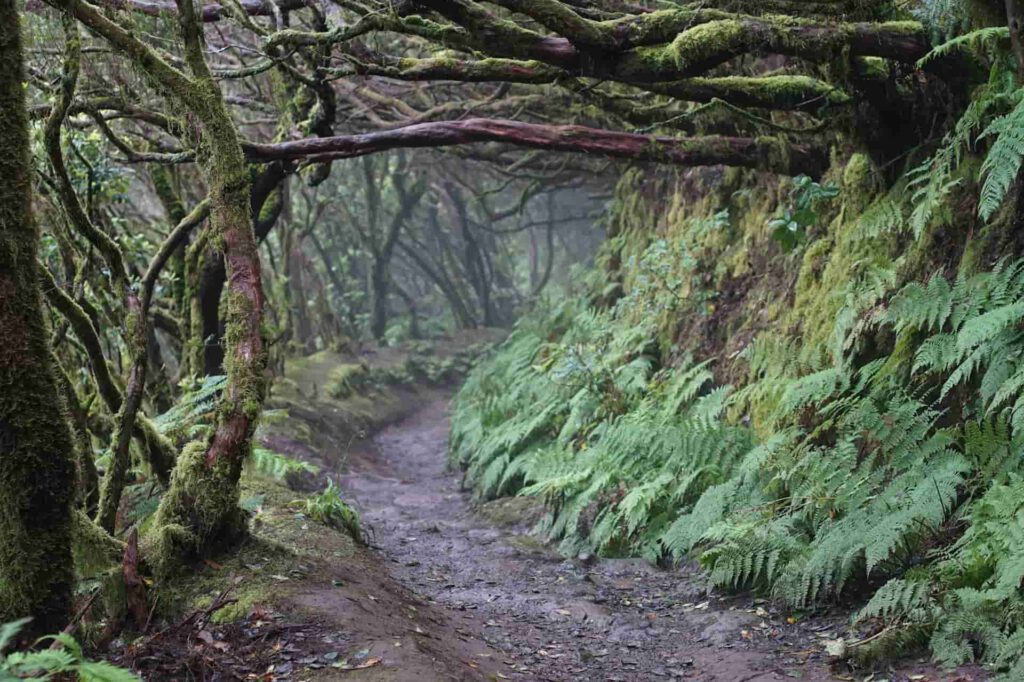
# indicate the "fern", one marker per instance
pixel 192 416
pixel 1003 161
pixel 883 216
pixel 869 470
pixel 904 599
pixel 328 507
pixel 988 40
pixel 930 183
pixel 54 663
pixel 275 465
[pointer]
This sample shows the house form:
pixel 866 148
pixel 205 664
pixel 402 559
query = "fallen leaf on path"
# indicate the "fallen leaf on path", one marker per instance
pixel 369 663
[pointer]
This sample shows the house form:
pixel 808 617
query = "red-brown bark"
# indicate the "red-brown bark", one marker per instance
pixel 760 153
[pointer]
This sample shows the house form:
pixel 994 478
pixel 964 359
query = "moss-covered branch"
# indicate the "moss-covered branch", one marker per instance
pixel 174 240
pixel 792 93
pixel 768 154
pixel 701 48
pixel 670 44
pixel 781 92
pixel 85 331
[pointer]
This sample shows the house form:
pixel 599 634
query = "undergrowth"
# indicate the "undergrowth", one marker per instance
pixel 903 472
pixel 328 507
pixel 883 464
pixel 64 661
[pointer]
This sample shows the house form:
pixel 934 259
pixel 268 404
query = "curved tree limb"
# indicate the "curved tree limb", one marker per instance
pixel 769 154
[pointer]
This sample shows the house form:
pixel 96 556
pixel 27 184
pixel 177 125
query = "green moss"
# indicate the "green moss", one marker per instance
pixel 37 471
pixel 345 379
pixel 860 184
pixel 94 549
pixel 830 268
pixel 688 50
pixel 283 552
pixel 198 512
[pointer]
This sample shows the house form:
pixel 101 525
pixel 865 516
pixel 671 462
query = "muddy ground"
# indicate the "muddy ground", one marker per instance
pixel 450 590
pixel 490 601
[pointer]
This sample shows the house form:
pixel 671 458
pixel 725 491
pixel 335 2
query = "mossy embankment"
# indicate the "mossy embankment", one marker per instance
pixel 809 385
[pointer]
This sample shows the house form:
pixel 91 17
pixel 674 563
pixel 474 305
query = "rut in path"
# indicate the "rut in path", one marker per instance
pixel 547 618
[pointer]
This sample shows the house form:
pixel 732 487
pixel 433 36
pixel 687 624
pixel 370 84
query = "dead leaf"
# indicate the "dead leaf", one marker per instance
pixel 368 663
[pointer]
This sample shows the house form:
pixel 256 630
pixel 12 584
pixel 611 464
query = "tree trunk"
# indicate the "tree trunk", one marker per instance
pixel 37 473
pixel 414 317
pixel 199 513
pixel 302 327
pixel 211 286
pixel 213 276
pixel 379 286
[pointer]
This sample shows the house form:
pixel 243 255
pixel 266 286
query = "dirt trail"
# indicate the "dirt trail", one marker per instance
pixel 529 614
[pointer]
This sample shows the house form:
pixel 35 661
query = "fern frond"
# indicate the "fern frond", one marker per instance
pixel 1003 161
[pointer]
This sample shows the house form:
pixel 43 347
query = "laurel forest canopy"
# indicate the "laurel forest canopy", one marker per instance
pixel 760 260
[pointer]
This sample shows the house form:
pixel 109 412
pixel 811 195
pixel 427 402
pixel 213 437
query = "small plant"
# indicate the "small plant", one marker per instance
pixel 277 466
pixel 790 228
pixel 328 508
pixel 48 664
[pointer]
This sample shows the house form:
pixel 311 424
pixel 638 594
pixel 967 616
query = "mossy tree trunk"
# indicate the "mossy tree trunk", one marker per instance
pixel 37 472
pixel 199 511
pixel 207 277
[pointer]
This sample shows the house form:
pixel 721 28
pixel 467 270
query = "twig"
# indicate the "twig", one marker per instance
pixel 70 628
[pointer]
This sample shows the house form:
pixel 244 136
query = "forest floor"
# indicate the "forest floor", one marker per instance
pixel 451 590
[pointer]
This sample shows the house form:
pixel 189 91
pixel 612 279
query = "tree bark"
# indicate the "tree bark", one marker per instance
pixel 200 510
pixel 379 286
pixel 768 154
pixel 213 276
pixel 37 472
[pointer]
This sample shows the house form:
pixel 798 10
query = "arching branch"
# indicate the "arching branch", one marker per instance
pixel 769 154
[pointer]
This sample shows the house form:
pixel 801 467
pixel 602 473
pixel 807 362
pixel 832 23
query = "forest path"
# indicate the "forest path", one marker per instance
pixel 545 618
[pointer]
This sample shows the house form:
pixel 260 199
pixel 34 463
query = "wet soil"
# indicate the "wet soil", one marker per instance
pixel 534 615
pixel 452 590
